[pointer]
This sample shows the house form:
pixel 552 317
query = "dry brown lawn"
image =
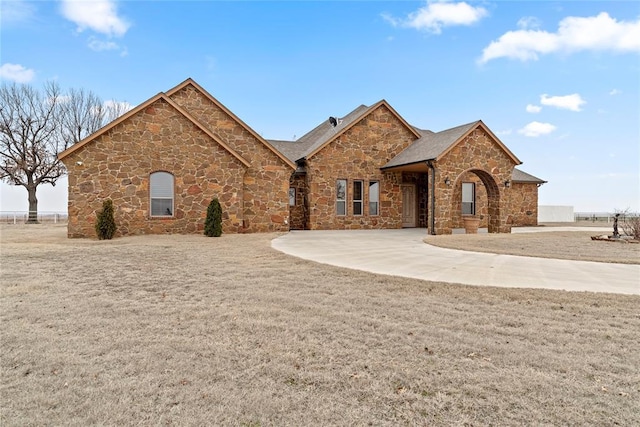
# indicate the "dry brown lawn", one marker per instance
pixel 575 245
pixel 188 330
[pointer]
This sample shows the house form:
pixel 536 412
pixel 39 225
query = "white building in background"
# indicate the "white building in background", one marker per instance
pixel 555 214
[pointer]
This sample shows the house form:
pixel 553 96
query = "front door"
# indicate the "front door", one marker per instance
pixel 408 205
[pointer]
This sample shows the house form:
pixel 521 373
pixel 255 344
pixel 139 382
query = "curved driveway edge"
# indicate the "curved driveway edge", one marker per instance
pixel 403 253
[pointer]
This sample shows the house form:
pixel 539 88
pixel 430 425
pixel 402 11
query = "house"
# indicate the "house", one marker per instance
pixel 164 161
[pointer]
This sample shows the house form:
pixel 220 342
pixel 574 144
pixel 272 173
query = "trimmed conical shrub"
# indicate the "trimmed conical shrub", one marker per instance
pixel 105 223
pixel 213 222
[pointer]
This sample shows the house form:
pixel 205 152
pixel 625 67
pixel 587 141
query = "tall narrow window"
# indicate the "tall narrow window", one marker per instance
pixel 161 189
pixel 468 198
pixel 357 197
pixel 292 196
pixel 341 197
pixel 374 197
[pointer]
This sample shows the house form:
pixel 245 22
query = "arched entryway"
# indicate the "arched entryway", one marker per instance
pixel 476 193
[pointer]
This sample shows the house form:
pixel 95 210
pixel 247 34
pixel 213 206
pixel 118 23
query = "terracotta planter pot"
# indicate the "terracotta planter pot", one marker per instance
pixel 471 224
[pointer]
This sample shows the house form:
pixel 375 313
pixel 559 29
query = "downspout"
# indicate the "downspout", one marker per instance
pixel 301 170
pixel 432 228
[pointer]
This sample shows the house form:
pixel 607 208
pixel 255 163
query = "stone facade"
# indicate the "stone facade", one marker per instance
pixel 118 163
pixel 481 200
pixel 357 155
pixel 524 204
pixel 298 213
pixel 266 183
pixel 480 155
pixel 211 153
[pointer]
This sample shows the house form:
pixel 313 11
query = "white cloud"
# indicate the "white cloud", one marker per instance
pixel 16 11
pixel 111 110
pixel 121 106
pixel 600 33
pixel 437 14
pixel 528 22
pixel 533 108
pixel 100 45
pixel 535 129
pixel 615 92
pixel 16 73
pixel 98 15
pixel 571 102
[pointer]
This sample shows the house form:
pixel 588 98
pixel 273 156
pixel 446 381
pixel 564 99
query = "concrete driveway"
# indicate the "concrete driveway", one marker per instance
pixel 403 253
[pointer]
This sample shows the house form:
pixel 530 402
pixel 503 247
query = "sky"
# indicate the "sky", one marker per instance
pixel 557 81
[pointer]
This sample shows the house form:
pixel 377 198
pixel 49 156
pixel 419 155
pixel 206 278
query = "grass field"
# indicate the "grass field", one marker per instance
pixel 188 330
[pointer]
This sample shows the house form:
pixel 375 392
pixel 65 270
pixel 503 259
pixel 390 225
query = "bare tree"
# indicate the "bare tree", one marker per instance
pixel 81 114
pixel 37 125
pixel 630 223
pixel 113 109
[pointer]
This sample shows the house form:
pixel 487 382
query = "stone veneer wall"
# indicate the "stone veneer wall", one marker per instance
pixel 524 204
pixel 266 182
pixel 118 163
pixel 482 205
pixel 297 213
pixel 478 151
pixel 358 154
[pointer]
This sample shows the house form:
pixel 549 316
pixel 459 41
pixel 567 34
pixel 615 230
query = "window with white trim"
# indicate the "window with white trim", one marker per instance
pixel 468 198
pixel 374 197
pixel 161 191
pixel 357 197
pixel 341 197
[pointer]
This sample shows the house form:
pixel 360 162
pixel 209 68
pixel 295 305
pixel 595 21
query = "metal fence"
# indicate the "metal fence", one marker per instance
pixel 21 217
pixel 607 217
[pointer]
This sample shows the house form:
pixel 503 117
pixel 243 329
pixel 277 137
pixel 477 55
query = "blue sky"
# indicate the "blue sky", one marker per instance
pixel 557 82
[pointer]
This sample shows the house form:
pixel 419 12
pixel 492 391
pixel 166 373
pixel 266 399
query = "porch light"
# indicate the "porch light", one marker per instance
pixel 447 181
pixel 300 168
pixel 507 183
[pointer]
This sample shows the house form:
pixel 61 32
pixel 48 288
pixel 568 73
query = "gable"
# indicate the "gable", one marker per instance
pixel 148 108
pixel 220 120
pixel 480 126
pixel 354 118
pixel 478 148
pixel 368 143
pixel 436 145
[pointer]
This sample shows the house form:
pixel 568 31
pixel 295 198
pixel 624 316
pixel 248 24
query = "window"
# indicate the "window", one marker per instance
pixel 468 198
pixel 161 189
pixel 357 197
pixel 341 197
pixel 292 196
pixel 374 197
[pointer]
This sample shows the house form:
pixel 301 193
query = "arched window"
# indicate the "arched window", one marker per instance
pixel 161 190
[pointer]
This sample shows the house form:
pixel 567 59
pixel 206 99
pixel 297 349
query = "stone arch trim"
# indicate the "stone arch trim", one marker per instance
pixel 495 199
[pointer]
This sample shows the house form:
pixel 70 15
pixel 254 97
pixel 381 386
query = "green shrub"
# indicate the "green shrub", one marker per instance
pixel 105 223
pixel 213 222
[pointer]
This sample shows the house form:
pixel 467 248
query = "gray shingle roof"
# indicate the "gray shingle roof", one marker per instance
pixel 292 150
pixel 309 142
pixel 520 176
pixel 430 146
